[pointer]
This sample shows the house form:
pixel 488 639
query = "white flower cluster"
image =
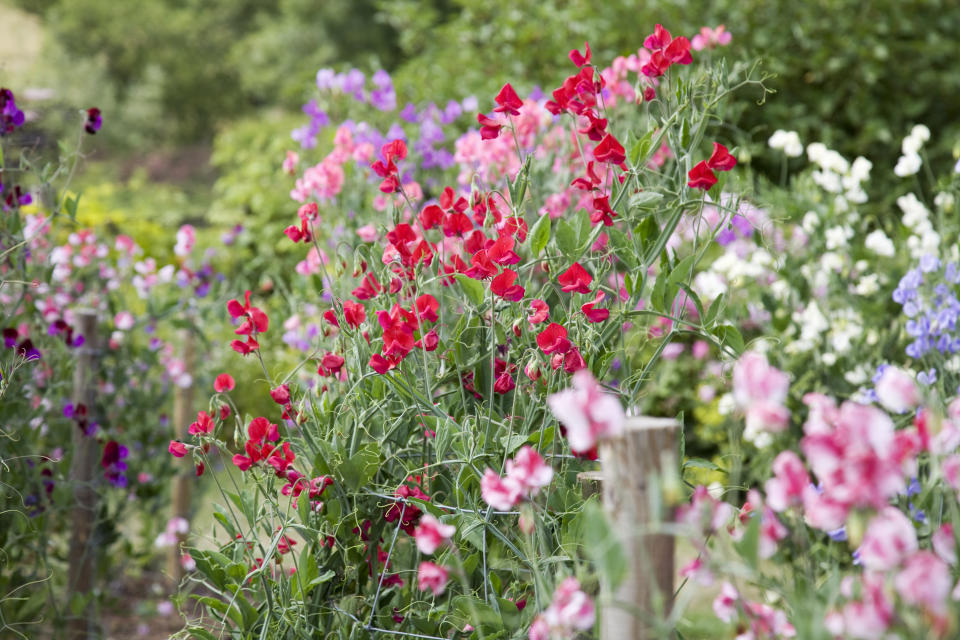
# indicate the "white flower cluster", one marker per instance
pixel 837 175
pixel 732 270
pixel 878 242
pixel 924 240
pixel 786 141
pixel 910 162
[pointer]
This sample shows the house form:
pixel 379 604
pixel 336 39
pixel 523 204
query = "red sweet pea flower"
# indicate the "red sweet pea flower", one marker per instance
pixel 394 149
pixel 659 39
pixel 427 307
pixel 553 339
pixel 501 251
pixel 489 128
pixel 593 314
pixel 254 318
pixel 575 279
pixel 381 364
pixel 504 383
pixel 588 182
pixel 431 216
pixel 503 286
pixel 177 449
pixel 204 424
pixel 539 312
pixel 369 288
pixel 224 382
pixel 245 348
pixel 456 224
pixel 602 211
pixel 610 151
pixel 701 177
pixel 721 160
pixel 578 59
pixel 429 341
pixel 597 128
pixel 281 395
pixel 330 364
pixel 508 101
pixel 481 266
pixel 678 51
pixel 354 313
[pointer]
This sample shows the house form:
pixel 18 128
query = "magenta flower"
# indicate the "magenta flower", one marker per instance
pixel 897 390
pixel 433 577
pixel 431 534
pixel 528 470
pixel 888 540
pixel 587 412
pixel 500 493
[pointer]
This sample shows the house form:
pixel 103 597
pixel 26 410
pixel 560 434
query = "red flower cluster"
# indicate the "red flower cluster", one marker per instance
pixel 386 169
pixel 508 102
pixel 309 213
pixel 261 432
pixel 400 326
pixel 255 321
pixel 410 512
pixel 702 176
pixel 666 51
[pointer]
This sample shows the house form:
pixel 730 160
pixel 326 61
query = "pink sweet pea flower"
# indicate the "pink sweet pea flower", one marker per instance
pixel 177 449
pixel 571 610
pixel 944 544
pixel 224 382
pixel 528 470
pixel 587 412
pixel 433 577
pixel 790 479
pixel 889 538
pixel 897 390
pixel 925 581
pixel 711 38
pixel 431 534
pixel 500 493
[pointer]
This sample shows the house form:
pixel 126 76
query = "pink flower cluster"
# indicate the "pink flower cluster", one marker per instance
pixel 572 610
pixel 526 474
pixel 587 412
pixel 761 391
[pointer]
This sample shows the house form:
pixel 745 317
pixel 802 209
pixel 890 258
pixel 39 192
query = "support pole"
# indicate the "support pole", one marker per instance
pixel 82 623
pixel 629 463
pixel 182 417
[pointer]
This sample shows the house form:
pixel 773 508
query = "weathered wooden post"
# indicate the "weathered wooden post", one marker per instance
pixel 628 462
pixel 83 473
pixel 182 417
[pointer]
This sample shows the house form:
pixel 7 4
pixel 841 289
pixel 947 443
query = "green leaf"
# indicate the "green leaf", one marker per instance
pixel 730 336
pixel 474 611
pixel 513 442
pixel 471 287
pixel 201 633
pixel 566 239
pixel 640 150
pixel 540 235
pixel 645 200
pixel 700 463
pixel 361 467
pixel 711 315
pixel 602 545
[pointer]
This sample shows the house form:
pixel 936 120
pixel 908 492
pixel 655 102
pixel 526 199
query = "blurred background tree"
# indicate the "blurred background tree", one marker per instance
pixel 185 77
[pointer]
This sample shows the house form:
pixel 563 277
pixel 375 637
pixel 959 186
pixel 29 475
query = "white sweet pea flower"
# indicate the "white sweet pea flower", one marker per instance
pixel 908 165
pixel 878 242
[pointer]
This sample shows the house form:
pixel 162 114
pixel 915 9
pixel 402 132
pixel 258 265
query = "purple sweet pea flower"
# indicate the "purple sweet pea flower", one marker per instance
pixel 326 79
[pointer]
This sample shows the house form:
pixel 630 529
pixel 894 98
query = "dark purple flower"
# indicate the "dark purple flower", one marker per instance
pixel 113 455
pixel 10 116
pixel 94 121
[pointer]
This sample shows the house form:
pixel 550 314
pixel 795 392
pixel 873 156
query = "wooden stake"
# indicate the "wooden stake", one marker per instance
pixel 83 474
pixel 182 417
pixel 629 462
